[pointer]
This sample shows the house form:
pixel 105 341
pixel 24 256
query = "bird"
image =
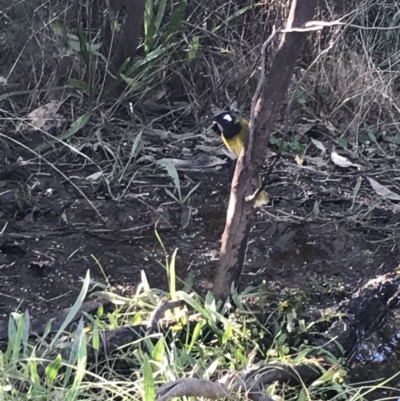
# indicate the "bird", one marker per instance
pixel 233 131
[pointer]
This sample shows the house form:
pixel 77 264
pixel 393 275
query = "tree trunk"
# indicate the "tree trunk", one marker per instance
pixel 244 183
pixel 129 35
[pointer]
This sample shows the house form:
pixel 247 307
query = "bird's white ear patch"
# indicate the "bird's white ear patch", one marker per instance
pixel 227 117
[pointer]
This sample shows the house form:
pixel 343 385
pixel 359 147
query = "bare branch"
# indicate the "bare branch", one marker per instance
pixel 158 314
pixel 318 25
pixel 191 387
pixel 250 382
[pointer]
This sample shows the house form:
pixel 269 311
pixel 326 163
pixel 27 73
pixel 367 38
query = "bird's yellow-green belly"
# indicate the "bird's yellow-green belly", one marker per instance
pixel 235 145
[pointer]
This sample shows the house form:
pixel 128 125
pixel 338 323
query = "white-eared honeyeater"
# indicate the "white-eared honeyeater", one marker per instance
pixel 233 131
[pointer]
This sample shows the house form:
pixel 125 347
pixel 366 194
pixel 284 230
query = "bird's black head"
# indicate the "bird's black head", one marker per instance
pixel 225 122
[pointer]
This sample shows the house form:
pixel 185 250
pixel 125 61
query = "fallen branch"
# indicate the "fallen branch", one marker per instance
pixel 153 325
pixel 249 382
pixel 363 314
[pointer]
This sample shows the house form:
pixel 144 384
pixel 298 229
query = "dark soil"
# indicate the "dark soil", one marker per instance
pixel 313 245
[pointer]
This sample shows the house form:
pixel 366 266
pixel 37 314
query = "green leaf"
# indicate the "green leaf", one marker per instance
pixel 57 27
pixel 160 241
pixel 196 334
pixel 136 148
pixel 74 310
pixel 227 334
pixel 326 377
pixel 356 190
pixel 78 84
pixel 100 311
pixel 74 43
pixel 188 283
pixel 25 333
pixel 211 369
pixel 160 13
pixel 78 354
pixel 371 134
pixel 16 93
pixel 149 26
pixel 76 126
pixel 150 57
pixel 15 332
pixel 136 84
pixel 95 337
pixel 175 21
pixel 275 141
pixel 146 287
pixel 137 319
pixel 302 97
pixel 194 48
pixel 114 298
pixel 233 16
pixel 342 142
pixel 364 138
pixel 158 351
pixel 33 369
pixel 75 353
pixel 148 381
pixel 173 173
pixel 303 396
pixel 52 370
pixel 173 196
pixel 71 131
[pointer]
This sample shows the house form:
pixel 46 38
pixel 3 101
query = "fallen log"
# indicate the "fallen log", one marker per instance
pixel 363 313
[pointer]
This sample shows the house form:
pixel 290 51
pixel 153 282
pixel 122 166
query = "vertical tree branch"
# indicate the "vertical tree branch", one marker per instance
pixel 264 113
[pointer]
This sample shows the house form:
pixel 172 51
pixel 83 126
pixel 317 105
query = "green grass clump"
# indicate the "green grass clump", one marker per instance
pixel 200 340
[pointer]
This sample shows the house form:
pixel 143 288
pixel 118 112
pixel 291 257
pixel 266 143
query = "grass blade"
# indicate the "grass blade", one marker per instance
pixel 175 21
pixel 191 192
pixel 149 26
pixel 171 273
pixel 52 369
pixel 160 13
pixel 75 351
pixel 194 48
pixel 148 381
pixel 25 333
pixel 71 131
pixel 75 308
pixel 233 16
pixel 173 173
pixel 150 57
pixel 169 193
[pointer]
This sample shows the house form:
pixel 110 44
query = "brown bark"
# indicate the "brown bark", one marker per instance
pixel 264 114
pixel 130 31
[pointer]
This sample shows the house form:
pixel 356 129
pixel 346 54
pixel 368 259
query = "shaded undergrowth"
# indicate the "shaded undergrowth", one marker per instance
pixel 202 341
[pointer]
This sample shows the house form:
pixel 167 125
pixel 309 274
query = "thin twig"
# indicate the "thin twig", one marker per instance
pixel 312 26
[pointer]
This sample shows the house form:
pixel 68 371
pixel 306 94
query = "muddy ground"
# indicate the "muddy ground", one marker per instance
pixel 315 243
